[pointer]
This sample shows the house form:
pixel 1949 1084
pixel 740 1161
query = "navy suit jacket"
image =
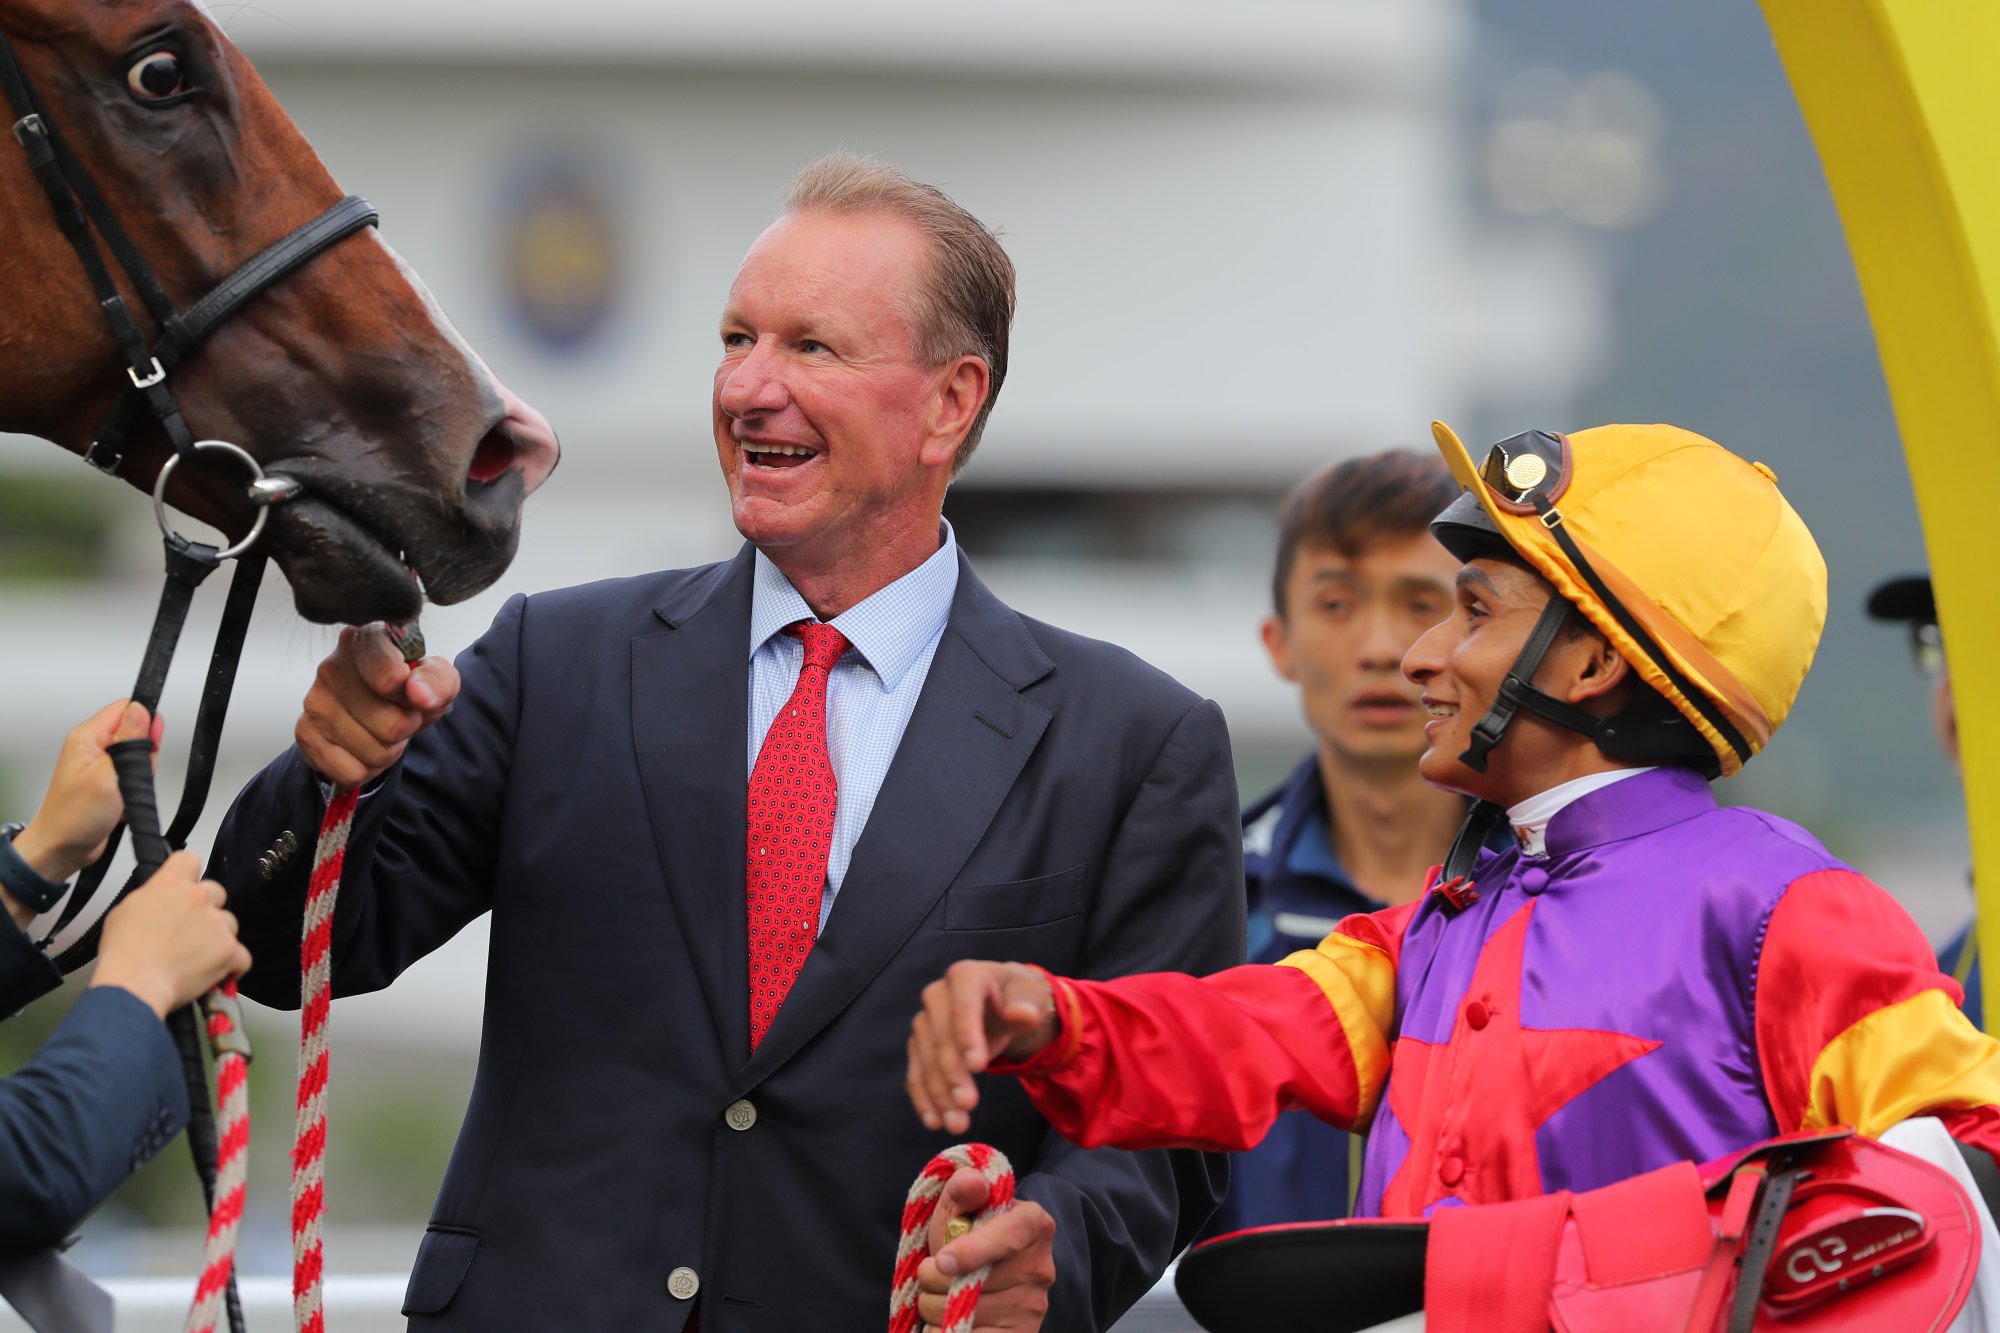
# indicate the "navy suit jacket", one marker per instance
pixel 101 1096
pixel 1054 800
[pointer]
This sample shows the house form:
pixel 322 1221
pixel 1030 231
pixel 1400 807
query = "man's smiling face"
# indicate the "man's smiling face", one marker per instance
pixel 825 425
pixel 1459 665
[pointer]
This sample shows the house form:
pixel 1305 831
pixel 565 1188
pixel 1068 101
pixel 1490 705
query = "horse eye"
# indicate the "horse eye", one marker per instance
pixel 156 77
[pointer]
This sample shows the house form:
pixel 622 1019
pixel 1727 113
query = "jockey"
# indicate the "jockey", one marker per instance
pixel 1643 977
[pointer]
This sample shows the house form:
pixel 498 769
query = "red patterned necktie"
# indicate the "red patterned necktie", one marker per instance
pixel 791 831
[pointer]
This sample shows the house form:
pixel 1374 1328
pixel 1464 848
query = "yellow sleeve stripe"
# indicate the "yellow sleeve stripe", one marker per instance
pixel 1359 981
pixel 1903 1060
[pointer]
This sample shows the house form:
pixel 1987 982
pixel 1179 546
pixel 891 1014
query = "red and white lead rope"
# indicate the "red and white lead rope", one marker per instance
pixel 309 1133
pixel 315 1004
pixel 914 1247
pixel 232 1123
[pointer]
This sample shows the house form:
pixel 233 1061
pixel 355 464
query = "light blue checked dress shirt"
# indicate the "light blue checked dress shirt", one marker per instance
pixel 871 692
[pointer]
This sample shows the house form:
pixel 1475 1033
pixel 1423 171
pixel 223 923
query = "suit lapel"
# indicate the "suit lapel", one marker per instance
pixel 967 741
pixel 690 696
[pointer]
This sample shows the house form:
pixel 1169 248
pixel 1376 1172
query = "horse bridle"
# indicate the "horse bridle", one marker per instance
pixel 80 210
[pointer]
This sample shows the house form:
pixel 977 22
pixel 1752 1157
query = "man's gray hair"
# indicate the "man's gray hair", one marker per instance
pixel 965 305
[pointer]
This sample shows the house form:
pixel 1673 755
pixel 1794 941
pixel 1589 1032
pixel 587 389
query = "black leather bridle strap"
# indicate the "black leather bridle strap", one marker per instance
pixel 188 565
pixel 70 177
pixel 191 329
pixel 84 216
pixel 269 265
pixel 203 749
pixel 32 132
pixel 78 206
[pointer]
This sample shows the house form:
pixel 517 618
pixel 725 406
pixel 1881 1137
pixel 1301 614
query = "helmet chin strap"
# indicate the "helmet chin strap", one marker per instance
pixel 1518 691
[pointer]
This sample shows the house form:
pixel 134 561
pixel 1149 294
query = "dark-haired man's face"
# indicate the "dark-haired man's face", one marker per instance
pixel 1347 623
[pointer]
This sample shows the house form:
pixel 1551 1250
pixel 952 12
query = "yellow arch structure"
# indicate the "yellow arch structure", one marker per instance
pixel 1902 101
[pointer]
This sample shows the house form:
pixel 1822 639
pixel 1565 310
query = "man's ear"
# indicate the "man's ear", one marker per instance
pixel 1596 669
pixel 1278 644
pixel 962 386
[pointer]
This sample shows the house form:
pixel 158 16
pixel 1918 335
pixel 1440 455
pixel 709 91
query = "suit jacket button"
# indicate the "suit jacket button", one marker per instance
pixel 287 844
pixel 682 1284
pixel 740 1116
pixel 267 865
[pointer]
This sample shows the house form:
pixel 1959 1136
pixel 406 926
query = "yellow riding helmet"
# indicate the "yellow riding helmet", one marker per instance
pixel 1684 556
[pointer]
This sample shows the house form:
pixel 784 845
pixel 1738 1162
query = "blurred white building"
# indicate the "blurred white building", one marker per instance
pixel 1249 243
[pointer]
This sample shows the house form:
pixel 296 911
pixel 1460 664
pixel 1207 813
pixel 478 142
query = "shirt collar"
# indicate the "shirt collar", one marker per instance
pixel 1531 817
pixel 1654 799
pixel 890 627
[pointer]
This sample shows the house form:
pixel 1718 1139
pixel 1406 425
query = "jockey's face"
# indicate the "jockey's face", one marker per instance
pixel 1461 662
pixel 835 441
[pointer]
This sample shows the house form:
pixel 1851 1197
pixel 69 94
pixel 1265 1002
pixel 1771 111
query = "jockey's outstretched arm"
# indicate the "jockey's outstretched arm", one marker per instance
pixel 1854 1025
pixel 1164 1059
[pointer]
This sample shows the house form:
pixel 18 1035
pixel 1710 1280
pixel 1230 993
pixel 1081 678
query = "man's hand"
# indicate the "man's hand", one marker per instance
pixel 1020 1244
pixel 83 805
pixel 979 1011
pixel 172 940
pixel 366 703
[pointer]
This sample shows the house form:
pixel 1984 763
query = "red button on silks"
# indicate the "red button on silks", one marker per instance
pixel 1451 1170
pixel 1477 1015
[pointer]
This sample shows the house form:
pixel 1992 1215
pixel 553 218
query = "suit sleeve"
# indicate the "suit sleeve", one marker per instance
pixel 420 857
pixel 1855 1024
pixel 1150 1061
pixel 101 1096
pixel 25 972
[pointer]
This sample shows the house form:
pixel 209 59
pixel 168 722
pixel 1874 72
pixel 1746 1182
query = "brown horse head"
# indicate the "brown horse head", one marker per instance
pixel 344 375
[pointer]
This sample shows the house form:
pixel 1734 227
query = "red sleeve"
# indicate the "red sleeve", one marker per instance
pixel 1166 1060
pixel 1855 1024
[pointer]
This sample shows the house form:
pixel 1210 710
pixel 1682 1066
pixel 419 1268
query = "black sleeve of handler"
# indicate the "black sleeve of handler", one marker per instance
pixel 400 897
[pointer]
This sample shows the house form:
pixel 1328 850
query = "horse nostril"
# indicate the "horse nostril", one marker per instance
pixel 495 454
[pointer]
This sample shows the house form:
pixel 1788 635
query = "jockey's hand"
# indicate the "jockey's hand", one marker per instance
pixel 977 1013
pixel 366 703
pixel 172 940
pixel 1020 1244
pixel 83 805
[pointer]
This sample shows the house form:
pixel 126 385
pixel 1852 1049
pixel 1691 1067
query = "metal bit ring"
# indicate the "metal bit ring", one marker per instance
pixel 256 476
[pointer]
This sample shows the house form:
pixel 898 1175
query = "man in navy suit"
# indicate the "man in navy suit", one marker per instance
pixel 105 1092
pixel 730 820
